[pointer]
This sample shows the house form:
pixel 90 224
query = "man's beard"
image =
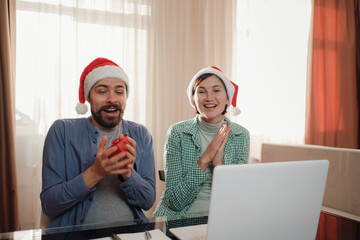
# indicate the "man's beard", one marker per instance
pixel 105 121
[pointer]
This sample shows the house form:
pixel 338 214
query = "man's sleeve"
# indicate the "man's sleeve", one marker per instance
pixel 140 187
pixel 59 193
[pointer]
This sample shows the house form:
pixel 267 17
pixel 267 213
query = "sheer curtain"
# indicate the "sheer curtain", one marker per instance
pixel 270 69
pixel 55 41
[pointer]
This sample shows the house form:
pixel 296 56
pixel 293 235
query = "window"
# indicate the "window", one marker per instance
pixel 271 69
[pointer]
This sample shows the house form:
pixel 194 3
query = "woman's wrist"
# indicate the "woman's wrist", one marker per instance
pixel 203 162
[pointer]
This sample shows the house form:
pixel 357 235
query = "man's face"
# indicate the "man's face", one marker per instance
pixel 107 99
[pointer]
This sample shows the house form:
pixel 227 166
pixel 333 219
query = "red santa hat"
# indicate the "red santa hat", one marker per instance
pixel 98 69
pixel 231 87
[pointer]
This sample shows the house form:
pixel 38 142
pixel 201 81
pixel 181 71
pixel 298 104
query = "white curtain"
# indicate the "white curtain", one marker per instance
pixel 160 44
pixel 270 69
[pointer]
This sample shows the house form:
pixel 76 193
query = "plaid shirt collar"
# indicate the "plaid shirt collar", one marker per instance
pixel 193 129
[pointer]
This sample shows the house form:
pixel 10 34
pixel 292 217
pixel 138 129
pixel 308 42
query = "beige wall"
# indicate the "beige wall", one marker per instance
pixel 342 191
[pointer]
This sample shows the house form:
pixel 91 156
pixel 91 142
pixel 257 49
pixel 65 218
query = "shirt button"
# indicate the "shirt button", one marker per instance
pixel 82 220
pixel 90 199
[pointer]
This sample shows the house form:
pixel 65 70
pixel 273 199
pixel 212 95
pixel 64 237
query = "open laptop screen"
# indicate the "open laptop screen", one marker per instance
pixel 280 200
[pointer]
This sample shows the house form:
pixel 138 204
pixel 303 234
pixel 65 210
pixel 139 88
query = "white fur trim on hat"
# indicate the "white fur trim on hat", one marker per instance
pixel 107 71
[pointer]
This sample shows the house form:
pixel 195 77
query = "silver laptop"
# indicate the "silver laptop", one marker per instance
pixel 280 200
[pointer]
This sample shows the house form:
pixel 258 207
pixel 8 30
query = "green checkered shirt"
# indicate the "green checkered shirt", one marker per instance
pixel 183 176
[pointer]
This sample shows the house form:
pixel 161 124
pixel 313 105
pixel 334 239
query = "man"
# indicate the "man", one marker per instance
pixel 82 181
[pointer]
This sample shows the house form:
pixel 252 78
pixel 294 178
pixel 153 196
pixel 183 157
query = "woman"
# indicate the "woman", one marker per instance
pixel 195 146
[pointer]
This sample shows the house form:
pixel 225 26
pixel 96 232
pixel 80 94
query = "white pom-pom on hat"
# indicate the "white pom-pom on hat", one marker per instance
pixel 235 111
pixel 81 108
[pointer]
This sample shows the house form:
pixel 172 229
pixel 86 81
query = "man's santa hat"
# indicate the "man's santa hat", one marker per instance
pixel 231 87
pixel 98 69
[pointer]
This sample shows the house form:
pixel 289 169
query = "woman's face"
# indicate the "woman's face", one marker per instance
pixel 210 99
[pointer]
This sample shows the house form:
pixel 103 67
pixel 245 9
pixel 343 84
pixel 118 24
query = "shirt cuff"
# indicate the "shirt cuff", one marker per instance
pixel 78 188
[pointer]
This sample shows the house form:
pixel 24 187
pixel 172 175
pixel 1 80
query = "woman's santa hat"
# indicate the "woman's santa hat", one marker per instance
pixel 231 87
pixel 98 69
